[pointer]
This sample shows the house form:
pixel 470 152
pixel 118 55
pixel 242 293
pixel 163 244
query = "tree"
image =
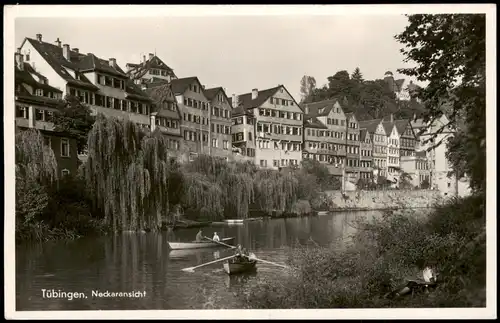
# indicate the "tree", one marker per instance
pixel 75 118
pixel 449 51
pixel 307 86
pixel 357 76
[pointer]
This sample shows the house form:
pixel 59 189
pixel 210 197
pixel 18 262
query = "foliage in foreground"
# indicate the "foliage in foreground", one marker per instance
pixel 382 255
pixel 47 207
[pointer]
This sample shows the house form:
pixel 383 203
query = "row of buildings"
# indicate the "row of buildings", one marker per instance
pixel 267 127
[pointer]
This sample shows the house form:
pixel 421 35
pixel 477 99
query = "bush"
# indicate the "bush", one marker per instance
pixel 382 255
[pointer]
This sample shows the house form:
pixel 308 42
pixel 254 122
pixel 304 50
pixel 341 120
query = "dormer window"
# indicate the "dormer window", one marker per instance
pixel 39 92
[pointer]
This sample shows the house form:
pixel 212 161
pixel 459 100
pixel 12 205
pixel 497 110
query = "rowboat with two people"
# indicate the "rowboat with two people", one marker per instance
pixel 200 242
pixel 240 262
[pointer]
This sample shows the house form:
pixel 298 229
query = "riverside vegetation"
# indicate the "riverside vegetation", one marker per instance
pixel 452 238
pixel 130 181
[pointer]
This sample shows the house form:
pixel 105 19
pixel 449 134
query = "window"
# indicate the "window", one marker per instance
pixel 39 92
pixel 225 145
pixel 65 172
pixel 214 142
pixel 263 163
pixel 65 147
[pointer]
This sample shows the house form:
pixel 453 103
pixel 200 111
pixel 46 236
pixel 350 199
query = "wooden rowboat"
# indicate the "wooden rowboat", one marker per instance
pixel 198 244
pixel 233 221
pixel 235 266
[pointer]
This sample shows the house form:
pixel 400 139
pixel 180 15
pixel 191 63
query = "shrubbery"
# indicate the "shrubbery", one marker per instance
pixel 382 255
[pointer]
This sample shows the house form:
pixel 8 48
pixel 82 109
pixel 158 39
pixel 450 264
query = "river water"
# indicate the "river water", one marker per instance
pixel 143 263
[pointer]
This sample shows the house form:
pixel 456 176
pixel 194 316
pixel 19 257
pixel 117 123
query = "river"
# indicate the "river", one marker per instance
pixel 142 263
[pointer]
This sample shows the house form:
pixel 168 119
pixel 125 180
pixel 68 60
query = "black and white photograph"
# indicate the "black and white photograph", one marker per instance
pixel 250 161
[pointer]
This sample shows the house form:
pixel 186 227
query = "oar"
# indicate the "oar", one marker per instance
pixel 207 263
pixel 221 243
pixel 252 257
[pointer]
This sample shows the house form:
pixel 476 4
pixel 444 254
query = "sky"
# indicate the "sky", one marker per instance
pixel 239 53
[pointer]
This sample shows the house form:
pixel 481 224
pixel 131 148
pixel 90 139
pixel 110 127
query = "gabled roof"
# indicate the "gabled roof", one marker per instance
pixel 401 125
pixel 370 125
pixel 313 122
pixel 262 96
pixel 388 126
pixel 26 76
pixel 138 70
pixel 159 95
pixel 78 62
pixel 315 107
pixel 362 134
pixel 212 93
pixel 350 115
pixel 180 86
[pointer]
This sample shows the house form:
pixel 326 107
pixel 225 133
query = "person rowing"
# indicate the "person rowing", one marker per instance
pixel 199 236
pixel 216 237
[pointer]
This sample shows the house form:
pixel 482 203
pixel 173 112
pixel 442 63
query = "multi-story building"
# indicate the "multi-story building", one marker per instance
pixel 278 126
pixel 195 111
pixel 408 139
pixel 379 140
pixel 165 115
pixel 352 147
pixel 328 142
pixel 150 70
pixel 242 131
pixel 220 123
pixel 36 101
pixel 417 167
pixel 100 84
pixel 439 166
pixel 393 165
pixel 365 154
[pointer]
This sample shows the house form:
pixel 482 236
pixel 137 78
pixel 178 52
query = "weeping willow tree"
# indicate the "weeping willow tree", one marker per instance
pixel 276 191
pixel 128 172
pixel 36 169
pixel 217 188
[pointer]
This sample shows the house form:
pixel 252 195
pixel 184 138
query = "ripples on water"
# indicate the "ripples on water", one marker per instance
pixel 143 262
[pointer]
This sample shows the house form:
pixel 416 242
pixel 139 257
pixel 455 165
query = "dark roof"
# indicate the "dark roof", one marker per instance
pixel 370 125
pixel 240 111
pixel 247 102
pixel 159 95
pixel 134 92
pixel 388 126
pixel 26 76
pixel 181 85
pixel 211 93
pixel 78 62
pixel 313 122
pixel 314 107
pixel 40 100
pixel 401 125
pixel 138 70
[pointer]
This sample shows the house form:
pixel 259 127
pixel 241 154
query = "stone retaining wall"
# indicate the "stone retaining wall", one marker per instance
pixel 380 200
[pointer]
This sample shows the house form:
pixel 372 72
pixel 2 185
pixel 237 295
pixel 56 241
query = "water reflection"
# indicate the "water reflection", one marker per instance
pixel 143 262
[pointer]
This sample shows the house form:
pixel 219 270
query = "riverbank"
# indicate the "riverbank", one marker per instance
pixel 382 256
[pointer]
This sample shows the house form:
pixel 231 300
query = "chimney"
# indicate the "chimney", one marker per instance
pixel 255 94
pixel 66 52
pixel 392 117
pixel 76 50
pixel 233 101
pixel 306 109
pixel 144 58
pixel 20 61
pixel 39 37
pixel 112 62
pixel 151 55
pixel 58 42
